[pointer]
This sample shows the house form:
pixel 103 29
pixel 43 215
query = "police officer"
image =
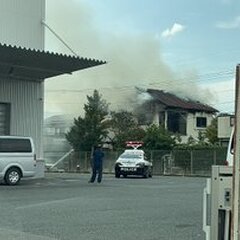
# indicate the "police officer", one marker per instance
pixel 97 163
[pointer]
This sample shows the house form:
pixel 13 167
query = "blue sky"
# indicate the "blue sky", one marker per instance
pixel 197 37
pixel 202 41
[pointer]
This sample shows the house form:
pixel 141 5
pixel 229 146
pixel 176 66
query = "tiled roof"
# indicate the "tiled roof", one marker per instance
pixel 171 100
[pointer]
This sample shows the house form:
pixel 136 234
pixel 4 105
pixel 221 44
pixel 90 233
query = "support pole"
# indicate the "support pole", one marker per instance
pixel 235 235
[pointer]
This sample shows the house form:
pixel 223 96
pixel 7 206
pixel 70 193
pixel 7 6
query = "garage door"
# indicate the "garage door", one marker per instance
pixel 4 118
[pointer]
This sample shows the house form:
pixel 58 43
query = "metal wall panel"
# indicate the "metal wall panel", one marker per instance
pixel 20 23
pixel 26 116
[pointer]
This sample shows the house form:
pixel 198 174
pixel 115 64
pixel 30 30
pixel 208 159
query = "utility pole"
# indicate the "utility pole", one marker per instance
pixel 235 233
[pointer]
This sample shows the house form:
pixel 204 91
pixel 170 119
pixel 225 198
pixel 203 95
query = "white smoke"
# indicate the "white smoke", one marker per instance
pixel 133 60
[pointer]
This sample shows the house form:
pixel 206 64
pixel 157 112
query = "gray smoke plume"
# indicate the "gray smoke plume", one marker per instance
pixel 134 60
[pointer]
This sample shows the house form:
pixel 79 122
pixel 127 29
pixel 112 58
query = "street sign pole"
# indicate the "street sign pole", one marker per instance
pixel 235 233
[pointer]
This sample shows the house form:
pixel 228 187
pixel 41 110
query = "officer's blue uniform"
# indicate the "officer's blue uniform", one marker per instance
pixel 97 165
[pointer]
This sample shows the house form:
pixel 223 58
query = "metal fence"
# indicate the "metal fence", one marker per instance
pixel 176 162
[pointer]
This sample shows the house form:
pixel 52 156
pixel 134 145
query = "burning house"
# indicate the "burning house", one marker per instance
pixel 180 116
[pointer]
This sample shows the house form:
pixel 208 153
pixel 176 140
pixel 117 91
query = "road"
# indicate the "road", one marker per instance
pixel 65 206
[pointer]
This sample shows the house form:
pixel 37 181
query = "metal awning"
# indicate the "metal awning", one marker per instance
pixel 35 65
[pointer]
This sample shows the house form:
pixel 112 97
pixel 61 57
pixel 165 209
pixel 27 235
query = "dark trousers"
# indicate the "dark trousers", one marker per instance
pixel 96 170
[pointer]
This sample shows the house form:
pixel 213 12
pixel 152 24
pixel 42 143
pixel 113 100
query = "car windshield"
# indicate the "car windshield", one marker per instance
pixel 128 155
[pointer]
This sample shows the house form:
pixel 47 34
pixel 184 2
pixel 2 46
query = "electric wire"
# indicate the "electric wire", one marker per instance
pixel 154 83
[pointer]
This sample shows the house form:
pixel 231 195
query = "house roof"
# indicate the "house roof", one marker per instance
pixel 29 64
pixel 59 120
pixel 171 100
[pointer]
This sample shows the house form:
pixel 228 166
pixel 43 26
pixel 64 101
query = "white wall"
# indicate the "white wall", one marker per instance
pixel 224 126
pixel 192 129
pixel 157 108
pixel 20 23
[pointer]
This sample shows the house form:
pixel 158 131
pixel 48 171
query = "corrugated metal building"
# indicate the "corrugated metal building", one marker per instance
pixel 20 23
pixel 24 66
pixel 21 102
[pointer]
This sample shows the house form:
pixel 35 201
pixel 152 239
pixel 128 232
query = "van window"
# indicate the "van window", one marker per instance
pixel 15 145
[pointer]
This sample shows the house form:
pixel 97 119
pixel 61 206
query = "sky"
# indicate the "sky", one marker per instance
pixel 187 47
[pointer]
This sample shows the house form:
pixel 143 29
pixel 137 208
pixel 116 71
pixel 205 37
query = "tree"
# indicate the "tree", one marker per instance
pixel 158 138
pixel 212 132
pixel 124 127
pixel 122 122
pixel 89 130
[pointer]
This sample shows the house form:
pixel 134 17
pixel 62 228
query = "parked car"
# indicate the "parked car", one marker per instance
pixel 133 162
pixel 17 158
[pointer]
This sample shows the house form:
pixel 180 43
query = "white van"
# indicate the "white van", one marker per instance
pixel 17 158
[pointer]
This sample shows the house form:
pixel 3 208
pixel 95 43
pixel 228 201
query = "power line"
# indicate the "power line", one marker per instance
pixel 121 90
pixel 213 77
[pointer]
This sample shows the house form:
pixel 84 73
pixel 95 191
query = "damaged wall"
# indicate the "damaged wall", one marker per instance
pixel 188 123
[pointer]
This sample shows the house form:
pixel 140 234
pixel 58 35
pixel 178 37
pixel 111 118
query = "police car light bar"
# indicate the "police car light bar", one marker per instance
pixel 134 144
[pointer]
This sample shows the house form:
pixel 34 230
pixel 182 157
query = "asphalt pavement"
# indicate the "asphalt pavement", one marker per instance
pixel 65 206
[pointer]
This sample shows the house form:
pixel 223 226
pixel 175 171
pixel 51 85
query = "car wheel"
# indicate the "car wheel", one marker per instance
pixel 124 175
pixel 150 173
pixel 12 176
pixel 146 172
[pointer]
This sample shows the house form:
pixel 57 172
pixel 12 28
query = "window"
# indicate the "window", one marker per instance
pixel 162 119
pixel 176 122
pixel 15 145
pixel 201 122
pixel 4 118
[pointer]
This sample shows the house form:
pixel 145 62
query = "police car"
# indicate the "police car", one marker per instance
pixel 133 162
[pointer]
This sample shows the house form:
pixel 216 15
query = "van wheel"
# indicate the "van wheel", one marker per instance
pixel 12 176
